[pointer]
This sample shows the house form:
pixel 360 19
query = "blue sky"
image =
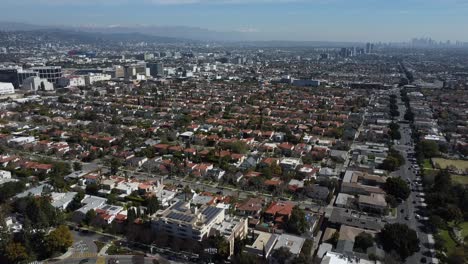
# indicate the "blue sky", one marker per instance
pixel 338 20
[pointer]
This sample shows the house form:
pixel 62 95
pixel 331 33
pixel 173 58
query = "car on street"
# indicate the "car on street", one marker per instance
pixel 113 261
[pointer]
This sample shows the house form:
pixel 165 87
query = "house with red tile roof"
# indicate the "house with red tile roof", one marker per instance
pixel 273 182
pixel 278 212
pixel 161 148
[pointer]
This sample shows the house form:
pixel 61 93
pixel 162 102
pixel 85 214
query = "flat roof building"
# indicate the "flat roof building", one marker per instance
pixel 187 222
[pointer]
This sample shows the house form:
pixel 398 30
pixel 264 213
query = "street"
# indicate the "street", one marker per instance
pixel 411 211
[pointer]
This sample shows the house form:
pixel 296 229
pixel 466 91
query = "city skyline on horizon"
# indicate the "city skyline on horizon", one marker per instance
pixel 295 20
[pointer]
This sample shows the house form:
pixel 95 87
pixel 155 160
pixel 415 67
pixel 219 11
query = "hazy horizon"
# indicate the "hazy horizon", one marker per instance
pixel 295 20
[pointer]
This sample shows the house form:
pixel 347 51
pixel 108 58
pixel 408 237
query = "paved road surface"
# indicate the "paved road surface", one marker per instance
pixel 408 210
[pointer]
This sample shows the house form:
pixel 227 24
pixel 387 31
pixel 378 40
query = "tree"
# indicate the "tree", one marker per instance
pixel 397 187
pixel 281 255
pixel 393 160
pixel 238 147
pixel 334 238
pixel 9 189
pixel 152 204
pixel 89 217
pixel 16 252
pixel 390 164
pixel 60 169
pixel 297 223
pixel 131 216
pixel 400 239
pixel 187 191
pixel 391 200
pixel 453 213
pixel 77 166
pixel 363 241
pixel 111 198
pixel 92 189
pixel 38 211
pixel 58 182
pixel 115 165
pixel 76 202
pixel 409 116
pixel 394 131
pixel 59 240
pixel 442 181
pixel 429 149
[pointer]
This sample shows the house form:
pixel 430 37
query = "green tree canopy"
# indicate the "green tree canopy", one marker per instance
pixel 59 240
pixel 297 223
pixel 16 253
pixel 281 255
pixel 89 217
pixel 152 204
pixel 429 149
pixel 363 241
pixel 400 239
pixel 77 166
pixel 397 187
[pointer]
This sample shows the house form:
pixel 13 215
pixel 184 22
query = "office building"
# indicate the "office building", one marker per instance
pixel 156 69
pixel 145 56
pixel 92 78
pixel 15 76
pixel 308 83
pixel 369 48
pixel 133 71
pixel 51 73
pixel 37 84
pixel 71 81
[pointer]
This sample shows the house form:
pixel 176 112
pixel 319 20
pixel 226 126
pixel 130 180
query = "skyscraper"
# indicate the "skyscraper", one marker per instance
pixel 369 48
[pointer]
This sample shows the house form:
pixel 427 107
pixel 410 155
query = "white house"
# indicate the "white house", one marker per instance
pixel 6 88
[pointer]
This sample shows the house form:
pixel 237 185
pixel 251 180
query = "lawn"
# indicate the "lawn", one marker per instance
pixel 444 163
pixel 427 164
pixel 116 250
pixel 449 243
pixel 463 180
pixel 464 227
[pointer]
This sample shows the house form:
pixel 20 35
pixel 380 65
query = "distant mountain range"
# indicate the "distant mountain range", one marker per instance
pixel 174 32
pixel 169 34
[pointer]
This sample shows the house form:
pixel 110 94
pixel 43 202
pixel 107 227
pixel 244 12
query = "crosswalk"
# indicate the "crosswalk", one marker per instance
pixel 83 255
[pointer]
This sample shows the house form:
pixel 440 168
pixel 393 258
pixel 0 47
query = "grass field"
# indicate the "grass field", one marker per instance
pixel 427 164
pixel 463 180
pixel 464 227
pixel 444 163
pixel 449 243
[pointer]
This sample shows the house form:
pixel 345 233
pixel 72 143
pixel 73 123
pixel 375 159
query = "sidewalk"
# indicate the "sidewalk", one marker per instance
pixel 103 250
pixel 62 257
